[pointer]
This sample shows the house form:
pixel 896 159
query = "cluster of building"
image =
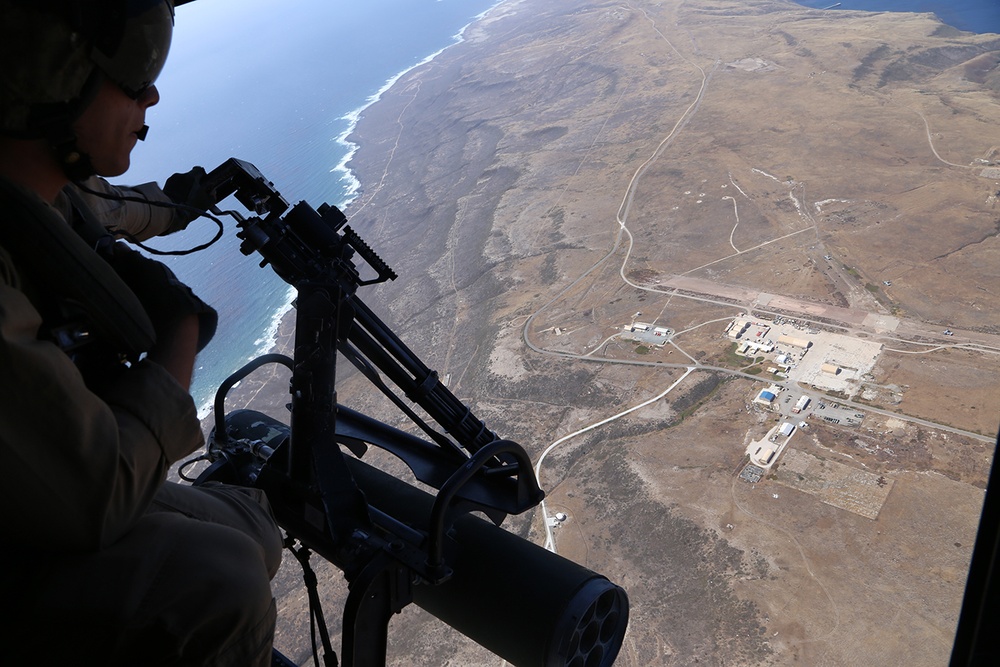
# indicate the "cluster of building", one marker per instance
pixel 835 364
pixel 649 333
pixel 750 335
pixel 753 336
pixel 763 452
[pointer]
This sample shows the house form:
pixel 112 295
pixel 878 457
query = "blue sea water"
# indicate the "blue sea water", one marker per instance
pixel 278 84
pixel 982 16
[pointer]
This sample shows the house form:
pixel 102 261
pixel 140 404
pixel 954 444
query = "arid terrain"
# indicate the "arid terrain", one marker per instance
pixel 575 169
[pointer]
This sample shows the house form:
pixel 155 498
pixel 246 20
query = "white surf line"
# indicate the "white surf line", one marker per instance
pixel 549 542
pixel 415 87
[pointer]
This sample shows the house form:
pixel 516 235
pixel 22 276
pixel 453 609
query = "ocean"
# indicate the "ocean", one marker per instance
pixel 280 84
pixel 980 16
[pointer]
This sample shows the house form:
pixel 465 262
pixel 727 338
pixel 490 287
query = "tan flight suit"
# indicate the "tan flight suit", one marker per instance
pixel 139 221
pixel 104 562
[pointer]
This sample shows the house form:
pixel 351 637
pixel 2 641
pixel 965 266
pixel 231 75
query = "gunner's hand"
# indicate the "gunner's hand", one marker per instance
pixel 188 188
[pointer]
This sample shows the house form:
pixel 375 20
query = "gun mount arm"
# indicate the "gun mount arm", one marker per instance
pixel 394 542
pixel 314 251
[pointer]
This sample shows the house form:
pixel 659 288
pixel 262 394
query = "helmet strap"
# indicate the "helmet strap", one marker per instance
pixel 75 163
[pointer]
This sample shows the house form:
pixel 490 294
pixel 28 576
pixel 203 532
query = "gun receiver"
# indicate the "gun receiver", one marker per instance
pixel 349 512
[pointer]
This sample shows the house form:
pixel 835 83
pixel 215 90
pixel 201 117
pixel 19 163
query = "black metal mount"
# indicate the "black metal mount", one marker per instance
pixel 303 468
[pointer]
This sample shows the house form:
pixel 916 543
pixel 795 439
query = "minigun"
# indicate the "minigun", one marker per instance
pixel 395 543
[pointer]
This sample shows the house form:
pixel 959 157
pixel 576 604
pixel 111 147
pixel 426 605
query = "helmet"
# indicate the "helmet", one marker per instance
pixel 55 53
pixel 133 53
